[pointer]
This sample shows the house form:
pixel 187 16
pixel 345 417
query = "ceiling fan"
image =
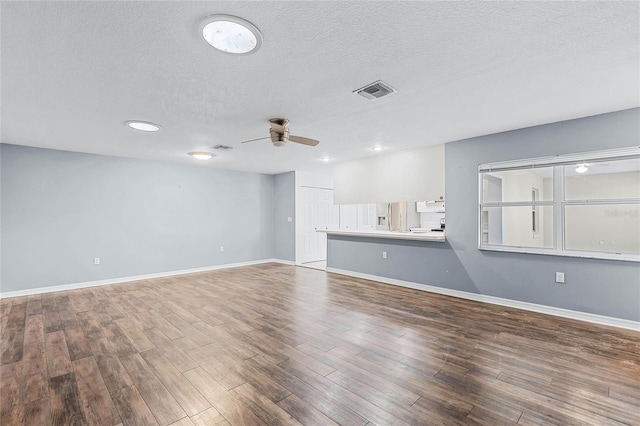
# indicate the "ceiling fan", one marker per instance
pixel 279 134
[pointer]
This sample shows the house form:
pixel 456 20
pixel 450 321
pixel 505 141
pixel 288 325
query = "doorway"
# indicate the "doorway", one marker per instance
pixel 316 212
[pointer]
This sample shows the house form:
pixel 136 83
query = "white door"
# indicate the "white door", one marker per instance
pixel 318 212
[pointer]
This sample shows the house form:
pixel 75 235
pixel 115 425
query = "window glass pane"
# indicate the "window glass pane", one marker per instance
pixel 612 228
pixel 523 185
pixel 518 226
pixel 603 180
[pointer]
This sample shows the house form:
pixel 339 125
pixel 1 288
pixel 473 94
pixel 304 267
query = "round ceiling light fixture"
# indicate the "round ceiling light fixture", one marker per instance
pixel 231 34
pixel 143 126
pixel 377 147
pixel 326 158
pixel 201 155
pixel 582 167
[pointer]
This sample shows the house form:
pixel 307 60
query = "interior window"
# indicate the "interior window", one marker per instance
pixel 518 208
pixel 584 205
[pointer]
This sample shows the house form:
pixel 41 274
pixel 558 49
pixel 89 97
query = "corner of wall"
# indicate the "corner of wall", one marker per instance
pixel 284 207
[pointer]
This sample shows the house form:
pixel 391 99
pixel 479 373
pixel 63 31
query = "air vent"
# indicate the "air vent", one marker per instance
pixel 223 147
pixel 375 90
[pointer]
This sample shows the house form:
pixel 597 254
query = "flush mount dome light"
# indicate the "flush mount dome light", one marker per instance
pixel 201 155
pixel 326 158
pixel 143 126
pixel 231 34
pixel 582 168
pixel 377 147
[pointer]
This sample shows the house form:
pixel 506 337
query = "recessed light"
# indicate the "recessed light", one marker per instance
pixel 377 148
pixel 231 34
pixel 143 126
pixel 326 159
pixel 201 155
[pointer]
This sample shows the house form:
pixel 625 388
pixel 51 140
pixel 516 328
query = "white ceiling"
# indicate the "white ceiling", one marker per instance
pixel 74 72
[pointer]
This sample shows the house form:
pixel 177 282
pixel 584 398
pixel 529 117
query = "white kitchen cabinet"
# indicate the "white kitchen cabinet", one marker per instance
pixel 430 206
pixel 357 216
pixel 348 217
pixel 366 216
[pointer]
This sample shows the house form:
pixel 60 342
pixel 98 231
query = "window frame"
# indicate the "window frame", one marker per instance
pixel 558 201
pixel 535 211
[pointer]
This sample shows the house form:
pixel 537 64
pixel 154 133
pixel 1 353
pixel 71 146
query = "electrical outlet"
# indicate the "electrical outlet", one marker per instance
pixel 289 219
pixel 384 254
pixel 601 242
pixel 613 243
pixel 221 249
pixel 560 277
pixel 96 260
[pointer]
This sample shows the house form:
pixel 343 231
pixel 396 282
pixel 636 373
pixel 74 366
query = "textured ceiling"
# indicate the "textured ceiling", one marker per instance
pixel 74 72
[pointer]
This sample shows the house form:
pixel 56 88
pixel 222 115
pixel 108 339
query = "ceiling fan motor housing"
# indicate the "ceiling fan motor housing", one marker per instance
pixel 279 139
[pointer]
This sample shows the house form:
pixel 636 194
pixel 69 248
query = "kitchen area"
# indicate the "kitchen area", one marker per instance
pixel 403 192
pixel 374 199
pixel 421 221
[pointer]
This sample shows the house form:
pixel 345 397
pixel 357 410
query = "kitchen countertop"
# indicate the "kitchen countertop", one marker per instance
pixel 421 236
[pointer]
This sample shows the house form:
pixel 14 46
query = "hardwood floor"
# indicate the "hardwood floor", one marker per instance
pixel 275 344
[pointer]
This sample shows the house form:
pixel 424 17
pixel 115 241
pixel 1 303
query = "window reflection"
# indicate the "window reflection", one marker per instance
pixel 603 180
pixel 514 186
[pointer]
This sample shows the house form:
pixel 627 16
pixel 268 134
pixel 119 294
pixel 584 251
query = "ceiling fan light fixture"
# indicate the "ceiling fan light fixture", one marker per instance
pixel 143 126
pixel 200 155
pixel 582 168
pixel 231 34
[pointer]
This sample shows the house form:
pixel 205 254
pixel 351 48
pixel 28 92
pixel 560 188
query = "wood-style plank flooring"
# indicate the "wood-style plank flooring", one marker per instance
pixel 275 344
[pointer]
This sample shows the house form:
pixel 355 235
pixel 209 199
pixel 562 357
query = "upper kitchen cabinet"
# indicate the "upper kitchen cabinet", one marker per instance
pixel 402 176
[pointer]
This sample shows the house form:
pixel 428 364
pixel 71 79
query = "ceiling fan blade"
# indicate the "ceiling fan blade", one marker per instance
pixel 253 140
pixel 304 141
pixel 279 125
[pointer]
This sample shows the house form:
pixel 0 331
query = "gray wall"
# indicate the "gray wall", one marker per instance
pixel 284 243
pixel 61 209
pixel 0 217
pixel 610 288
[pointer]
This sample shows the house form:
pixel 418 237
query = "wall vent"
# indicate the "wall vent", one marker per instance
pixel 223 147
pixel 375 90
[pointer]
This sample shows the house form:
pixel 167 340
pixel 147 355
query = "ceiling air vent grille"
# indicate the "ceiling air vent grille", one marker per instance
pixel 223 147
pixel 375 90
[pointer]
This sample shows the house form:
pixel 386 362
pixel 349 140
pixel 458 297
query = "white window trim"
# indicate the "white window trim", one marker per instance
pixel 558 202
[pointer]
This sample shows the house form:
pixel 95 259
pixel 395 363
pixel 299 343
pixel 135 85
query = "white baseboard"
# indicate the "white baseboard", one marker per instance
pixel 75 286
pixel 565 313
pixel 550 310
